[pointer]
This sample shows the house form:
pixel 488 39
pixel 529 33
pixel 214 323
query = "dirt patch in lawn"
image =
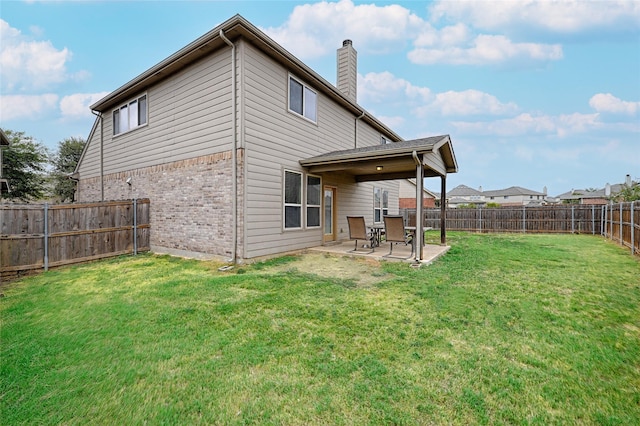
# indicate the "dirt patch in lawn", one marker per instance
pixel 363 272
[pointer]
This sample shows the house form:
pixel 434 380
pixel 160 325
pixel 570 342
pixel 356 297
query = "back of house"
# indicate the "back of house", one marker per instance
pixel 214 136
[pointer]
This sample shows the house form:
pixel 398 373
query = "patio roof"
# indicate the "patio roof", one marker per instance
pixel 395 160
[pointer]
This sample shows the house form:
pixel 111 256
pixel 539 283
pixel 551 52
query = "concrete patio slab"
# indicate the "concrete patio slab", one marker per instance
pixel 400 253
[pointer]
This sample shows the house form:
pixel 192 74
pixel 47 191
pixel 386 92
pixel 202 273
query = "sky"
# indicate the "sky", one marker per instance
pixel 533 93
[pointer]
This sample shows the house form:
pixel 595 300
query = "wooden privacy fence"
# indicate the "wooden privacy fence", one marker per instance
pixel 39 236
pixel 620 222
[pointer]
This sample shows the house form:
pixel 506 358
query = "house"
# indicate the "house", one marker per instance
pixel 407 195
pixel 464 195
pixel 516 196
pixel 512 196
pixel 246 152
pixel 4 183
pixel 594 196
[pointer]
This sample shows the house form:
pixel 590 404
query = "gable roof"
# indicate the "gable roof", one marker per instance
pixel 513 190
pixel 412 183
pixel 463 191
pixel 233 29
pixel 4 140
pixel 397 160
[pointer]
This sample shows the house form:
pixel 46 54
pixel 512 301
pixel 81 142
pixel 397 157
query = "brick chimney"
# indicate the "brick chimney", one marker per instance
pixel 347 80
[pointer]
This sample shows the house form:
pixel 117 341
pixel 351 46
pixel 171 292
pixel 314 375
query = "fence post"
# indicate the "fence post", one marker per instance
pixel 135 226
pixel 621 241
pixel 573 226
pixel 480 219
pixel 593 220
pixel 633 232
pixel 524 221
pixel 46 236
pixel 611 223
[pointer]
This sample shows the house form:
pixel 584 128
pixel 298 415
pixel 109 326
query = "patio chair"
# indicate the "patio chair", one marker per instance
pixel 395 234
pixel 358 231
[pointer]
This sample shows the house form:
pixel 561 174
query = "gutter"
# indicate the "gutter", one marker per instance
pixel 99 115
pixel 234 154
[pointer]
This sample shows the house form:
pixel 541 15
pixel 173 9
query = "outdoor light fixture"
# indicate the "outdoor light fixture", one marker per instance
pixel 379 168
pixel 128 181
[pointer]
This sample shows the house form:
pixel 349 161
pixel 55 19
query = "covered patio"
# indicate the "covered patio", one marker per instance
pixel 401 253
pixel 418 158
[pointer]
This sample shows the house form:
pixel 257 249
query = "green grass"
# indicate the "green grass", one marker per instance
pixel 504 329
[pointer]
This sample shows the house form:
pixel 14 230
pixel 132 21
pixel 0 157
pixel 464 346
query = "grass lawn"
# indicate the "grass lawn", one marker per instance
pixel 504 329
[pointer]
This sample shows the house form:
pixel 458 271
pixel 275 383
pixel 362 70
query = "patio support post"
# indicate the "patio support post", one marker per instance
pixel 443 210
pixel 419 212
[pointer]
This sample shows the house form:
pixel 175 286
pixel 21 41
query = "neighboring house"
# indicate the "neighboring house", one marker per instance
pixel 463 195
pixel 245 152
pixel 516 196
pixel 407 195
pixel 594 197
pixel 513 196
pixel 4 183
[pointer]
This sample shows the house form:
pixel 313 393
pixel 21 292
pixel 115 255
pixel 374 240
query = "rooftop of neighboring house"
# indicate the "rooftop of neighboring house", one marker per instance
pixel 463 191
pixel 591 193
pixel 513 190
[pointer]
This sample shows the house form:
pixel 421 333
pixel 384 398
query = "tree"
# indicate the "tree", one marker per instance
pixel 25 163
pixel 628 193
pixel 64 163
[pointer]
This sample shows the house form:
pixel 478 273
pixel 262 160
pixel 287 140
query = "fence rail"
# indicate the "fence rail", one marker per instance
pixel 39 236
pixel 619 222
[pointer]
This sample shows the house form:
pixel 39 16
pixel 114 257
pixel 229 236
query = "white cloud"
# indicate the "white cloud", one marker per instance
pixel 606 102
pixel 555 16
pixel 469 102
pixel 527 124
pixel 486 49
pixel 384 87
pixel 27 64
pixel 14 107
pixel 317 29
pixel 77 105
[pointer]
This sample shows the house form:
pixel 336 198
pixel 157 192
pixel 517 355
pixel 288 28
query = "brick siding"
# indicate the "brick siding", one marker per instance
pixel 191 201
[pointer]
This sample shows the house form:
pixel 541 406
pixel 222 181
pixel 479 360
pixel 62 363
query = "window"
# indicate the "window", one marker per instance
pixel 130 115
pixel 313 201
pixel 506 197
pixel 292 200
pixel 302 100
pixel 380 204
pixel 383 140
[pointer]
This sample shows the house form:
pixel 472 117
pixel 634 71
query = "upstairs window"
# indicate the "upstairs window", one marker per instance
pixel 302 100
pixel 383 140
pixel 130 115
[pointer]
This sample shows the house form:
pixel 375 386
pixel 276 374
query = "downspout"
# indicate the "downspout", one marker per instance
pixel 234 155
pixel 99 115
pixel 355 130
pixel 419 230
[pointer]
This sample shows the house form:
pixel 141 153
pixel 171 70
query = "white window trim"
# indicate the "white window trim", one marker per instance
pixel 129 102
pixel 307 205
pixel 285 204
pixel 304 86
pixel 381 208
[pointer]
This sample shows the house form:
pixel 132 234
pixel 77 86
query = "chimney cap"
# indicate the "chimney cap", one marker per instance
pixel 347 42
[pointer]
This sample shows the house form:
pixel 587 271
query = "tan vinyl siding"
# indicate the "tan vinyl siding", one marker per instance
pixel 277 139
pixel 189 116
pixel 90 165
